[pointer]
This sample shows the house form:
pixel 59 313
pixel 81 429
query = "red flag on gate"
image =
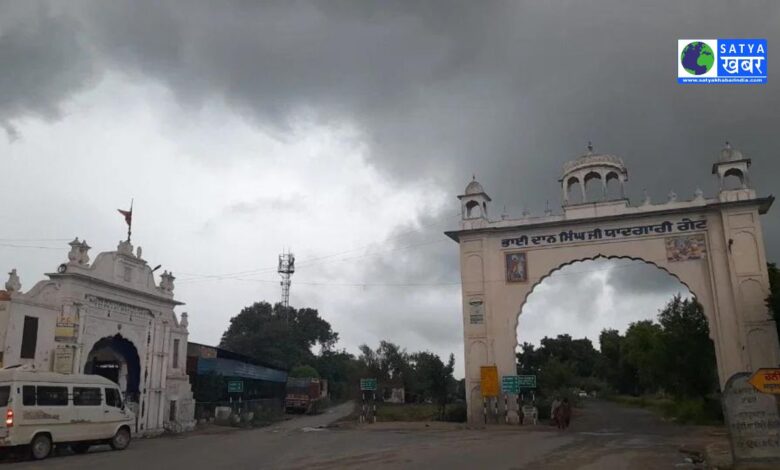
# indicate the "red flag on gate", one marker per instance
pixel 128 216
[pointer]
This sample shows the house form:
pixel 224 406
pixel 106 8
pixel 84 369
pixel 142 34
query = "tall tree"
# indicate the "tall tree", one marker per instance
pixel 278 334
pixel 688 362
pixel 642 350
pixel 433 378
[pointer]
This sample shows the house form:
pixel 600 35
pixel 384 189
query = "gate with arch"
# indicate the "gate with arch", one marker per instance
pixel 712 245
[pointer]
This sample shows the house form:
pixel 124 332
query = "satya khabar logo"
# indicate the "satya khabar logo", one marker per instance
pixel 721 61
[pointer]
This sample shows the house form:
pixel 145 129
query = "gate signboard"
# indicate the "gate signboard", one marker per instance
pixel 488 381
pixel 510 384
pixel 368 384
pixel 236 386
pixel 527 381
pixel 766 381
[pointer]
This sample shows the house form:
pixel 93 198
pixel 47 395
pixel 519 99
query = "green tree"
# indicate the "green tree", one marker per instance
pixel 278 334
pixel 642 350
pixel 341 371
pixel 304 372
pixel 433 378
pixel 688 360
pixel 556 374
pixel 612 367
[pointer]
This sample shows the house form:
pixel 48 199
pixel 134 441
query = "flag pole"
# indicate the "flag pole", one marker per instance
pixel 130 224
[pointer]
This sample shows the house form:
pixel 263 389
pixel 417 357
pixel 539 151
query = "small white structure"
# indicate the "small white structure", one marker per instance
pixel 712 245
pixel 108 318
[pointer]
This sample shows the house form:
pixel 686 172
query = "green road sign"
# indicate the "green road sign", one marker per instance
pixel 236 386
pixel 367 384
pixel 510 384
pixel 527 381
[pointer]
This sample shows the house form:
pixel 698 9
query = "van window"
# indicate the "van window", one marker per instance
pixel 86 396
pixel 113 398
pixel 28 395
pixel 52 396
pixel 5 391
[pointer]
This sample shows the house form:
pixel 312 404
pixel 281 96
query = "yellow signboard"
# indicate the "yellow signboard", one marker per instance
pixel 766 381
pixel 489 381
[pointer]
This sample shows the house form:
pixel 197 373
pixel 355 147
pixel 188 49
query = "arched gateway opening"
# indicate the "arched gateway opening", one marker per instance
pixel 116 358
pixel 616 325
pixel 713 246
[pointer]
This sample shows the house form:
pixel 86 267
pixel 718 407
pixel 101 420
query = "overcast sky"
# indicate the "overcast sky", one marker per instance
pixel 343 130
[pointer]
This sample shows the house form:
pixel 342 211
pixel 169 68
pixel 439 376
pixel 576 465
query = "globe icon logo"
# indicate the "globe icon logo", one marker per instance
pixel 697 58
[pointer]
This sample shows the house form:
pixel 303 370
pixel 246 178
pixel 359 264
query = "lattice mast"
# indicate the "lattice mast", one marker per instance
pixel 286 270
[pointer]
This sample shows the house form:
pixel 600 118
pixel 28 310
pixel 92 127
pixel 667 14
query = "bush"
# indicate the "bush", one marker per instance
pixel 456 413
pixel 407 412
pixel 703 411
pixel 695 411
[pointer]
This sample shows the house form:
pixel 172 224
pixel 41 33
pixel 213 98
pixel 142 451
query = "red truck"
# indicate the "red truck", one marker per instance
pixel 303 395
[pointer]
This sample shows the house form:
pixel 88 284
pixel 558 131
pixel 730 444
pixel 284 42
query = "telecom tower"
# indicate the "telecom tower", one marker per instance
pixel 286 269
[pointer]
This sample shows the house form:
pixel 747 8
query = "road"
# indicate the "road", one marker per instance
pixel 603 436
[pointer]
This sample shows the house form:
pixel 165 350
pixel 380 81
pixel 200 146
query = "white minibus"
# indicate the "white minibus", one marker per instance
pixel 41 409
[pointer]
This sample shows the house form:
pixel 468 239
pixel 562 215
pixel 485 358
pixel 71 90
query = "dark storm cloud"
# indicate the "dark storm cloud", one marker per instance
pixel 440 90
pixel 509 90
pixel 43 62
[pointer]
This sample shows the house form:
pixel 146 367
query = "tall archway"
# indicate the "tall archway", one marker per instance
pixel 713 246
pixel 569 312
pixel 116 358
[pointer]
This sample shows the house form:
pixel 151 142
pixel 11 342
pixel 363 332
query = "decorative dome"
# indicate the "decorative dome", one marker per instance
pixel 593 166
pixel 474 187
pixel 594 160
pixel 729 154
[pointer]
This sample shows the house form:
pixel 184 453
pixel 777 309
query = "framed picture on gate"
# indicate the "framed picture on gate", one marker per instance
pixel 516 267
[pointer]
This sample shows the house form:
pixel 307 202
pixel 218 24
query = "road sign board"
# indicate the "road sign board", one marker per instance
pixel 766 381
pixel 236 386
pixel 510 384
pixel 488 381
pixel 367 384
pixel 527 381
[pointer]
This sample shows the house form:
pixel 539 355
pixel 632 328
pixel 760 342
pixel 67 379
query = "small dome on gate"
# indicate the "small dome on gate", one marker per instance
pixel 729 154
pixel 474 187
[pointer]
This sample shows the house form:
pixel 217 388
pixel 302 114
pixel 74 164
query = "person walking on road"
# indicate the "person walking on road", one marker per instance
pixel 563 414
pixel 556 404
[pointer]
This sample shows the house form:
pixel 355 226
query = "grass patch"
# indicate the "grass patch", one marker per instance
pixel 406 412
pixel 701 411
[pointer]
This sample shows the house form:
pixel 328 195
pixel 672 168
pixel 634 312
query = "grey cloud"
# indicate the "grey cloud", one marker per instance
pixel 630 277
pixel 439 89
pixel 44 62
pixel 509 90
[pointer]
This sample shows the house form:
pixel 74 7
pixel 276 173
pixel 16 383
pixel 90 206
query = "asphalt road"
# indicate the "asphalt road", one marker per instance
pixel 602 436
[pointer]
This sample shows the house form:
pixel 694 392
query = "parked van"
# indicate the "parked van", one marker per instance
pixel 42 409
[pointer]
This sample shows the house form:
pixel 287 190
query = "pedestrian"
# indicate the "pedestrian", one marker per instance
pixel 556 404
pixel 563 417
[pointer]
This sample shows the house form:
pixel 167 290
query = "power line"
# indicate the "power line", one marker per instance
pixel 555 273
pixel 317 260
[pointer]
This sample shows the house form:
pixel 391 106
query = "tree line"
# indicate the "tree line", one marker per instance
pixel 287 337
pixel 673 355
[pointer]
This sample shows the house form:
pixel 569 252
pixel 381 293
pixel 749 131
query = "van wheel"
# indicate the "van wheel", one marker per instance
pixel 40 447
pixel 79 448
pixel 121 439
